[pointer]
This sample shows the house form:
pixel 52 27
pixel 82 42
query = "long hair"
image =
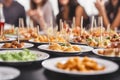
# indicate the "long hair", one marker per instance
pixel 34 6
pixel 72 4
pixel 111 9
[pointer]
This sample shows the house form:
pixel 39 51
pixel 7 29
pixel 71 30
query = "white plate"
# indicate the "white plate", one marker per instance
pixel 50 64
pixel 8 73
pixel 40 56
pixel 9 39
pixel 83 49
pixel 11 35
pixel 95 51
pixel 26 45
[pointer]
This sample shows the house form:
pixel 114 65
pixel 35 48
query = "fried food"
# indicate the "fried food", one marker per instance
pixel 81 65
pixel 13 44
pixel 65 47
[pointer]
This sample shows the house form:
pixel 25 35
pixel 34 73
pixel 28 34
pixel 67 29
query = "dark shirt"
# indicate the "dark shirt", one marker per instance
pixel 13 13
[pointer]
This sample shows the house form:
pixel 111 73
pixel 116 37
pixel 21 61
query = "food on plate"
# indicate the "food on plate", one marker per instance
pixel 115 38
pixel 13 44
pixel 114 45
pixel 9 31
pixel 24 55
pixel 3 38
pixel 81 65
pixel 65 47
pixel 96 42
pixel 113 52
pixel 44 38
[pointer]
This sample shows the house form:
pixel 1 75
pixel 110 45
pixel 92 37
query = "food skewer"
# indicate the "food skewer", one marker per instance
pixel 108 28
pixel 81 25
pixel 93 19
pixel 1 31
pixel 73 24
pixel 101 27
pixel 18 35
pixel 95 23
pixel 38 29
pixel 21 22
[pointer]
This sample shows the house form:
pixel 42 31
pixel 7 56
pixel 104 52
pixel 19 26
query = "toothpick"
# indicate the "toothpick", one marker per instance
pixel 38 29
pixel 81 24
pixel 101 28
pixel 108 28
pixel 95 23
pixel 74 22
pixel 18 34
pixel 1 30
pixel 51 25
pixel 92 23
pixel 60 24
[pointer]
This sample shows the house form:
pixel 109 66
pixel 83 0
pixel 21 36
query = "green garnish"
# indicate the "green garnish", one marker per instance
pixel 24 55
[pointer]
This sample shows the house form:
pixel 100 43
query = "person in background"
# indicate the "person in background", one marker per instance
pixel 69 9
pixel 110 12
pixel 41 13
pixel 13 11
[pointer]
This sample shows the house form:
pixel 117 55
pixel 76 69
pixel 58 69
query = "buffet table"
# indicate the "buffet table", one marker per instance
pixel 35 71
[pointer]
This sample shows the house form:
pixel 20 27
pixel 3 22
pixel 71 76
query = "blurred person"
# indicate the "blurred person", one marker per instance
pixel 110 12
pixel 41 13
pixel 13 11
pixel 69 9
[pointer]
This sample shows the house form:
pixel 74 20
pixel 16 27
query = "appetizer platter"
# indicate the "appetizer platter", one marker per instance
pixel 80 66
pixel 64 48
pixel 25 56
pixel 15 45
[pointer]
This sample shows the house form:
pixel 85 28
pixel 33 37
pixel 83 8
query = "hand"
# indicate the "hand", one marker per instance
pixel 31 13
pixel 39 13
pixel 100 5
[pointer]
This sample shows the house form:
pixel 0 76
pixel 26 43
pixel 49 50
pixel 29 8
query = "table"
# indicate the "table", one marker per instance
pixel 35 71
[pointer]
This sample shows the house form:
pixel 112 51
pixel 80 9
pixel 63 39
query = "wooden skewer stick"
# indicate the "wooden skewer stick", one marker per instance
pixel 60 24
pixel 108 28
pixel 51 25
pixel 18 35
pixel 74 22
pixel 1 31
pixel 38 29
pixel 101 27
pixel 95 23
pixel 81 24
pixel 93 18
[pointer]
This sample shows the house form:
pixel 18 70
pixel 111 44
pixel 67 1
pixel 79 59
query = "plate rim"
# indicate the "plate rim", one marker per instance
pixel 65 52
pixel 47 56
pixel 32 45
pixel 94 51
pixel 82 73
pixel 13 68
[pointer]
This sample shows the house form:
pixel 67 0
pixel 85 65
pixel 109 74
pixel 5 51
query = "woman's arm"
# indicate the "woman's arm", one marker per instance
pixel 78 14
pixel 102 12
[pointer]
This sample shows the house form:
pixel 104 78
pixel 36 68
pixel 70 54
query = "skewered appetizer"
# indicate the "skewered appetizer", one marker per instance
pixel 80 65
pixel 65 47
pixel 13 44
pixel 95 42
